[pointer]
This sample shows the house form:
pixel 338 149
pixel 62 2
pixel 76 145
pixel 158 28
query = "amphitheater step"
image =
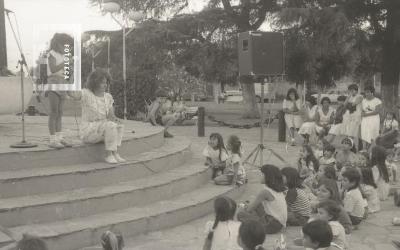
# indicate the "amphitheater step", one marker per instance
pixel 87 201
pixel 26 182
pixel 82 232
pixel 145 138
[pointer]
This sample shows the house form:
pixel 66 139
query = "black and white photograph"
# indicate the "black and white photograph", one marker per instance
pixel 199 124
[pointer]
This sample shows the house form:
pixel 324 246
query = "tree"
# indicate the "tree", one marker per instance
pixel 376 25
pixel 321 44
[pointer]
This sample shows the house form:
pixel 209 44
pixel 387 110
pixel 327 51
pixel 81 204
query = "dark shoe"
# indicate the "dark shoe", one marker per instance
pixel 167 135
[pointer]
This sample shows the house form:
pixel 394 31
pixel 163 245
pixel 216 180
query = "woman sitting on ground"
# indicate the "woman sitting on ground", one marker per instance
pixel 99 122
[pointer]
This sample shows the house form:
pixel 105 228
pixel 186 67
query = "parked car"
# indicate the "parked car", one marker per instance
pixel 332 95
pixel 236 95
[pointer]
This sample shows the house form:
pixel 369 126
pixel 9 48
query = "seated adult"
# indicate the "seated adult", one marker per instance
pixel 99 122
pixel 161 112
pixel 324 117
pixel 307 129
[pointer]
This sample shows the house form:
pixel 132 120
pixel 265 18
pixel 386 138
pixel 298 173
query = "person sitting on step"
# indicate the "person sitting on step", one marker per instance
pixel 99 122
pixel 160 111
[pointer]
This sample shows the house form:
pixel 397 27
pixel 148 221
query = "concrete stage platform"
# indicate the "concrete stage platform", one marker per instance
pixel 37 131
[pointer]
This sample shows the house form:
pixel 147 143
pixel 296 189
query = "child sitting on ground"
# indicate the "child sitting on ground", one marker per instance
pixel 269 207
pixel 216 154
pixel 380 172
pixel 329 211
pixel 328 157
pixel 235 173
pixel 298 201
pixel 369 189
pixel 251 235
pixel 30 242
pixel 328 190
pixel 307 165
pixel 112 241
pixel 222 233
pixel 317 234
pixel 389 131
pixel 353 200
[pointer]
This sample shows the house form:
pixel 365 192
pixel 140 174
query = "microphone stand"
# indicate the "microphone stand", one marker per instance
pixel 21 64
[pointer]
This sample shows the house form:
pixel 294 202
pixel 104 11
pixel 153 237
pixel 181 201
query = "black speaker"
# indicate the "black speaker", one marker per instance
pixel 261 53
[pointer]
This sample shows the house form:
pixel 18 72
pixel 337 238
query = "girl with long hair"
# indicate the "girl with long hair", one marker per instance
pixel 269 207
pixel 380 171
pixel 298 201
pixel 235 173
pixel 222 233
pixel 56 96
pixel 216 154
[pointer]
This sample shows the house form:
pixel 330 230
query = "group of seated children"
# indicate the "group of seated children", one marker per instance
pixel 226 161
pixel 334 188
pixel 239 228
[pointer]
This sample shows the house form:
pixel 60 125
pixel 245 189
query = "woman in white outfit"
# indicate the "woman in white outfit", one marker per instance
pixel 352 117
pixel 307 129
pixel 324 117
pixel 370 122
pixel 99 122
pixel 291 108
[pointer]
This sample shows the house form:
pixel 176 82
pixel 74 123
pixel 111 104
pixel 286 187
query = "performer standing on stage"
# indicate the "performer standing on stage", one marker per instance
pixel 99 122
pixel 57 76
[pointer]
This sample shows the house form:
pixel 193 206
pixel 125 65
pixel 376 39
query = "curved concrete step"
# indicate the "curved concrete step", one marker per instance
pixel 87 201
pixel 81 232
pixel 26 182
pixel 146 137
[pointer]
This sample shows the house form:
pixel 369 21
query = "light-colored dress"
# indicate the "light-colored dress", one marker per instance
pixel 215 155
pixel 292 121
pixel 371 194
pixel 383 186
pixel 324 119
pixel 241 174
pixel 95 127
pixel 225 235
pixel 352 120
pixel 370 125
pixel 308 128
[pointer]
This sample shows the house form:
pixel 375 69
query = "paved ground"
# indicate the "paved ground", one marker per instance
pixel 375 234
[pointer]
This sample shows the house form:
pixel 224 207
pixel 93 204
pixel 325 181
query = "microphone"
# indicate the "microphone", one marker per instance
pixel 8 11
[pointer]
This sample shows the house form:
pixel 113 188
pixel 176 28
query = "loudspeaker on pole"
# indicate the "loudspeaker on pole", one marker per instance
pixel 261 53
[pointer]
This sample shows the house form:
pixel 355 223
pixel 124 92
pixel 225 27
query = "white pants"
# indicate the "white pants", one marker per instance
pixel 108 131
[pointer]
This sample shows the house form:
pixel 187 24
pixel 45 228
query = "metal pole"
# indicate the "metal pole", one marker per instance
pixel 23 102
pixel 262 124
pixel 124 69
pixel 200 122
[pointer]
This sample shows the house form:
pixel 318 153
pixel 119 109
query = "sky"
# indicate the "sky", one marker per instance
pixel 38 20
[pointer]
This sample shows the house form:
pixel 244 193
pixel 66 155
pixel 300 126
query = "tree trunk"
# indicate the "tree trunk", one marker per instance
pixel 249 101
pixel 391 57
pixel 3 45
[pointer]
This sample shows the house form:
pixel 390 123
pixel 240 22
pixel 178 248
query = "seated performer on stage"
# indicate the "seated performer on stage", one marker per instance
pixel 99 122
pixel 162 112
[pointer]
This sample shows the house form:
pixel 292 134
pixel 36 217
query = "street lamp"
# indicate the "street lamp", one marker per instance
pixel 136 16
